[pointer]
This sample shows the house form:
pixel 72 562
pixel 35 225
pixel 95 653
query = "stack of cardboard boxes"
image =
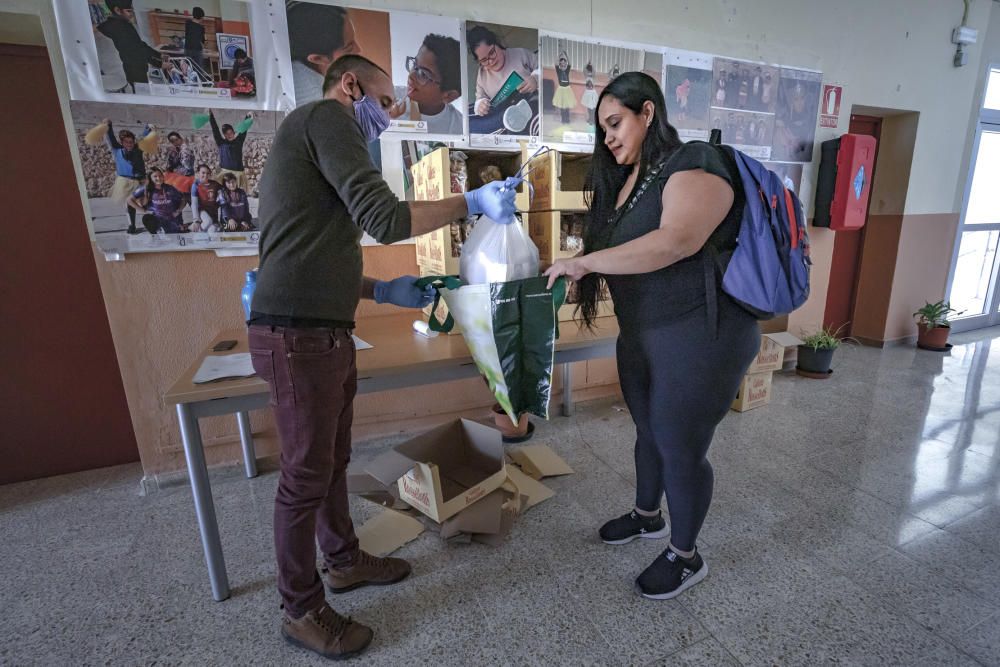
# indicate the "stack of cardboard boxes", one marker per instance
pixel 557 212
pixel 755 390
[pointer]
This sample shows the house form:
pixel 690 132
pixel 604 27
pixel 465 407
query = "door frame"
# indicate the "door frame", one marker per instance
pixel 992 316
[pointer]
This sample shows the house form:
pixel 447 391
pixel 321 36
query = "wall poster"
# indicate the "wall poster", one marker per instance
pixel 795 119
pixel 503 88
pixel 574 73
pixel 422 54
pixel 688 93
pixel 140 50
pixel 172 178
pixel 743 100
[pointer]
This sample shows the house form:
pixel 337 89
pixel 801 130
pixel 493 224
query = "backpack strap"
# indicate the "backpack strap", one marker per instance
pixel 709 262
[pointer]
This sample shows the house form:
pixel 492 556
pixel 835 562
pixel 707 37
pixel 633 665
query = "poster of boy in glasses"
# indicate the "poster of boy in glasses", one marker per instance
pixel 426 74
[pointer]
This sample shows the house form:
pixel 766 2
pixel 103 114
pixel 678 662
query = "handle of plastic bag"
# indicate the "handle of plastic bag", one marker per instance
pixel 439 283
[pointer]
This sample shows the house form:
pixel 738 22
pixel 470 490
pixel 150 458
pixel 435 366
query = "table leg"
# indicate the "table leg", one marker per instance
pixel 246 439
pixel 204 507
pixel 567 390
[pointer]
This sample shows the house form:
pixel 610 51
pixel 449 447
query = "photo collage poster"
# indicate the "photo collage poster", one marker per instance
pixel 574 73
pixel 460 83
pixel 172 178
pixel 422 54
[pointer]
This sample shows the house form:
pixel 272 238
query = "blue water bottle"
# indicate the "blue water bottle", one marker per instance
pixel 247 292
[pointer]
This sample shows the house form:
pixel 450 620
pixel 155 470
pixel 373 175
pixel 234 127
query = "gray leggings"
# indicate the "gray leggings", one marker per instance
pixel 679 381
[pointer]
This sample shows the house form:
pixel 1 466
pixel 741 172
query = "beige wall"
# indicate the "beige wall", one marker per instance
pixel 892 54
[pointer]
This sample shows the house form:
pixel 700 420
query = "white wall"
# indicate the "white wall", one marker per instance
pixel 893 54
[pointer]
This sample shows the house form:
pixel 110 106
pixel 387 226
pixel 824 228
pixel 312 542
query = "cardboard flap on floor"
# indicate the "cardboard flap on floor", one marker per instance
pixel 540 461
pixel 481 517
pixel 364 485
pixel 388 531
pixel 360 483
pixel 446 469
pixel 497 538
pixel 531 489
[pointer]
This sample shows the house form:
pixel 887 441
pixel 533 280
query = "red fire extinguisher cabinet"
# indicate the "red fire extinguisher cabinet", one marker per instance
pixel 844 182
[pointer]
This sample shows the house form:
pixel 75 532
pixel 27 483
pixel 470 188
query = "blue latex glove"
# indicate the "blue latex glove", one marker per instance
pixel 404 292
pixel 494 200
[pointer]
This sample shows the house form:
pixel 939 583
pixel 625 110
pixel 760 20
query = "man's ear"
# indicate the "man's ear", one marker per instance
pixel 450 96
pixel 319 62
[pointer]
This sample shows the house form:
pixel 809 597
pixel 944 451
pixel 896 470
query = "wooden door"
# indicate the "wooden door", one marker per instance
pixel 62 403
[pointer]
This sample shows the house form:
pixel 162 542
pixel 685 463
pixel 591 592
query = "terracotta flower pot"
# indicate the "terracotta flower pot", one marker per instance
pixel 936 337
pixel 507 427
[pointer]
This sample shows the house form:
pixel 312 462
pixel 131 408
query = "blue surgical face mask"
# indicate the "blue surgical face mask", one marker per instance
pixel 370 115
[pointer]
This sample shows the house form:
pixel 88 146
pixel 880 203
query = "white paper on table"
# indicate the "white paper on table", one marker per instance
pixel 360 344
pixel 224 367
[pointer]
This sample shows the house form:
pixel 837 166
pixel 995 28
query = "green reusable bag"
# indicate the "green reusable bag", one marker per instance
pixel 511 329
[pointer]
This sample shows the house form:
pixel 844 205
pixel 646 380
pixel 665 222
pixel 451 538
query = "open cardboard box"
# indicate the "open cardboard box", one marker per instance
pixel 446 469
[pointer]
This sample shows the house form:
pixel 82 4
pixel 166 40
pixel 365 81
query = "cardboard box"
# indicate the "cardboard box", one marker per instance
pixel 558 179
pixel 755 391
pixel 446 469
pixel 770 356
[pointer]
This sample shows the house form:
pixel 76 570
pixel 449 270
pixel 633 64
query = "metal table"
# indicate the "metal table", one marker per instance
pixel 400 358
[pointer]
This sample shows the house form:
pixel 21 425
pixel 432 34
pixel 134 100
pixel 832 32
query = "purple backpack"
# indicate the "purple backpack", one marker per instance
pixel 768 271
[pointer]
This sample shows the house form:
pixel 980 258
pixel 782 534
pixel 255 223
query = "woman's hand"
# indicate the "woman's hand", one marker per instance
pixel 482 107
pixel 529 86
pixel 231 225
pixel 573 268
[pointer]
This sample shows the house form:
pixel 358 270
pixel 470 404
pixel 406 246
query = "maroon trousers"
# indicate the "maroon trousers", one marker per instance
pixel 313 380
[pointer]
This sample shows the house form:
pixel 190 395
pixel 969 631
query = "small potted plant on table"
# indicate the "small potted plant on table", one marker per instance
pixel 933 326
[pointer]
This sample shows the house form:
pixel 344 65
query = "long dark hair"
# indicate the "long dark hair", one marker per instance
pixel 606 178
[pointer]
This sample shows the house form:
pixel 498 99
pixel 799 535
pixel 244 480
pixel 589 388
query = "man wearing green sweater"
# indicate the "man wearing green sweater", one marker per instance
pixel 319 192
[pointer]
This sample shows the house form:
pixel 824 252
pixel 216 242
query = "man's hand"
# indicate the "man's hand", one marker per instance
pixel 231 226
pixel 494 200
pixel 403 291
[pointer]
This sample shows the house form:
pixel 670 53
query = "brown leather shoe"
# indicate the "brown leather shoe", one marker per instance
pixel 326 632
pixel 367 570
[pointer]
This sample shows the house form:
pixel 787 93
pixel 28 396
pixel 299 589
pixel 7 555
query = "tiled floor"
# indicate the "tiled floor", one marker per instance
pixel 856 521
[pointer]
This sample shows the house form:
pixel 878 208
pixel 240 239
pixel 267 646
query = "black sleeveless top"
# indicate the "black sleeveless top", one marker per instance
pixel 563 75
pixel 671 293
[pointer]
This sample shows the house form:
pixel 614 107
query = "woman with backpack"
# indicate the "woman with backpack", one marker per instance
pixel 660 214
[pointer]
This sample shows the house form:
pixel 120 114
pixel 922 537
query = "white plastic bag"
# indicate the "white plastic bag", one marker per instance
pixel 496 253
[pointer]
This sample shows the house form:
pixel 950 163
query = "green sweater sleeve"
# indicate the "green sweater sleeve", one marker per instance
pixel 339 150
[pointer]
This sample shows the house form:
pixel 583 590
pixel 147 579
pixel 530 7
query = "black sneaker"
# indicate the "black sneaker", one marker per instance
pixel 633 525
pixel 670 575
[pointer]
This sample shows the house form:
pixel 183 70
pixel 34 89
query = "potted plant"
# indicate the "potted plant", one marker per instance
pixel 933 326
pixel 816 352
